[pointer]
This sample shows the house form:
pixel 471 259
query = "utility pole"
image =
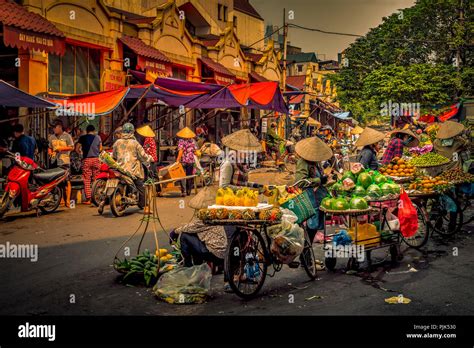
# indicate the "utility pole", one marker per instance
pixel 285 42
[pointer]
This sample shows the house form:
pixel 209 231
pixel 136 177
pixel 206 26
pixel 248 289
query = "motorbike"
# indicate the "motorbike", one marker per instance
pixel 41 193
pixel 98 187
pixel 120 192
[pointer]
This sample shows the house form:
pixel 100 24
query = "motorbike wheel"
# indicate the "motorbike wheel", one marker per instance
pixel 116 202
pixel 5 203
pixel 98 190
pixel 56 196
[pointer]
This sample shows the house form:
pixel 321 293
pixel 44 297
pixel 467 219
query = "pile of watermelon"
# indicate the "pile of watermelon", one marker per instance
pixel 367 184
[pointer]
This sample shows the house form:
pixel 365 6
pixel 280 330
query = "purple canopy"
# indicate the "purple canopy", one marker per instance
pixel 14 97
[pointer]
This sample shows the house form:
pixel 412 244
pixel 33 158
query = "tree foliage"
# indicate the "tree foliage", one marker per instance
pixel 410 58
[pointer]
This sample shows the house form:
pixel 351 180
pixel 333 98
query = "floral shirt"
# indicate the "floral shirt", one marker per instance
pixel 189 147
pixel 149 145
pixel 129 154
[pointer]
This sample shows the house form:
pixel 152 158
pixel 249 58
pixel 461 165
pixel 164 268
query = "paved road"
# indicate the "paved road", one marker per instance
pixel 76 249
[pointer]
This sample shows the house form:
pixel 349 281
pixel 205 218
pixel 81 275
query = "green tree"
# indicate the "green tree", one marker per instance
pixel 409 58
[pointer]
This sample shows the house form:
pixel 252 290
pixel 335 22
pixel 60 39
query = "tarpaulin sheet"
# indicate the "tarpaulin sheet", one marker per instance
pixel 95 103
pixel 14 97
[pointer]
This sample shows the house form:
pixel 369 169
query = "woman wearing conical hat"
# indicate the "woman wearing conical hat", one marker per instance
pixel 186 150
pixel 310 152
pixel 149 145
pixel 451 144
pixel 369 140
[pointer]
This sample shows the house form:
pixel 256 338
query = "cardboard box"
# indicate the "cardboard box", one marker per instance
pixel 172 171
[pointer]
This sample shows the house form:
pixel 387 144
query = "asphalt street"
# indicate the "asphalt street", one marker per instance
pixel 74 274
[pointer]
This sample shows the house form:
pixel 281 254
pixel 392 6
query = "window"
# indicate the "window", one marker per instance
pixel 219 10
pixel 179 73
pixel 225 14
pixel 300 68
pixel 78 71
pixel 235 22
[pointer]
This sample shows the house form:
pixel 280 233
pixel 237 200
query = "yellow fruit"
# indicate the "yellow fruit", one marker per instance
pixel 163 259
pixel 229 200
pixel 239 198
pixel 220 196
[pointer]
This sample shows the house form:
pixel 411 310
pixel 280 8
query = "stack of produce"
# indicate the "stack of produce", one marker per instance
pixel 428 185
pixel 457 175
pixel 398 167
pixel 288 193
pixel 430 159
pixel 244 197
pixel 366 184
pixel 147 265
pixel 207 214
pixel 344 203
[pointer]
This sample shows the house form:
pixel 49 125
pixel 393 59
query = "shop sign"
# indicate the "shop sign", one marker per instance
pixel 223 80
pixel 163 70
pixel 264 125
pixel 16 37
pixel 114 79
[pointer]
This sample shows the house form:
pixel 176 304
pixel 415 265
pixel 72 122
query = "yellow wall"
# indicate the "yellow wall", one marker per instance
pixel 250 30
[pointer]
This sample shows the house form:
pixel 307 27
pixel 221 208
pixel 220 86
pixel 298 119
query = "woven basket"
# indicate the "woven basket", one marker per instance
pixel 302 205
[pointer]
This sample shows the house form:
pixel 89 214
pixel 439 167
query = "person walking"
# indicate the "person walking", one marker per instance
pixel 149 145
pixel 91 146
pixel 186 149
pixel 23 144
pixel 60 147
pixel 369 140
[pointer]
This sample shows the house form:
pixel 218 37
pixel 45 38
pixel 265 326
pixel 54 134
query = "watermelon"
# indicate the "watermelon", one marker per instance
pixel 364 180
pixel 386 188
pixel 348 174
pixel 359 203
pixel 327 202
pixel 395 188
pixel 374 191
pixel 337 187
pixel 347 184
pixel 340 204
pixel 380 179
pixel 359 191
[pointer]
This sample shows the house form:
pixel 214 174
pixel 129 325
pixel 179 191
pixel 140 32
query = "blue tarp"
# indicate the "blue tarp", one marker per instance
pixel 342 115
pixel 13 97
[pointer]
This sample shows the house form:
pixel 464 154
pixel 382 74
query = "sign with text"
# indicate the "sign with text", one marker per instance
pixel 114 79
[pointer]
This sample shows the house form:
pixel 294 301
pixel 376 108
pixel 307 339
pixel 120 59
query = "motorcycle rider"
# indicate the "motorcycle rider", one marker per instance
pixel 128 153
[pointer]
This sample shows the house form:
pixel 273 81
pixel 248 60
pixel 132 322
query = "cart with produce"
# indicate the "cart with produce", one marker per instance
pixel 365 202
pixel 266 237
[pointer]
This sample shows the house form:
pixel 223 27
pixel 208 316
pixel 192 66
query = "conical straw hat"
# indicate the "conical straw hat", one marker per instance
pixel 186 133
pixel 313 150
pixel 146 131
pixel 412 143
pixel 242 140
pixel 357 130
pixel 368 137
pixel 204 198
pixel 449 129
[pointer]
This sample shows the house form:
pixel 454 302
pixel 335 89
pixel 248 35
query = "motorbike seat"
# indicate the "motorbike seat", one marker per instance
pixel 49 175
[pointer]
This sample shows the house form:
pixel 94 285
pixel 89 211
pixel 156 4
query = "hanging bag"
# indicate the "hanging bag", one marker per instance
pixel 407 215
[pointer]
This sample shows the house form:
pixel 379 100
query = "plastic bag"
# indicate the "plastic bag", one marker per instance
pixel 288 243
pixel 289 216
pixel 407 216
pixel 185 285
pixel 392 221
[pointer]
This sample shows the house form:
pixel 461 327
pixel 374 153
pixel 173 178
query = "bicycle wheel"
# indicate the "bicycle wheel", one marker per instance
pixel 420 238
pixel 444 222
pixel 246 263
pixel 307 258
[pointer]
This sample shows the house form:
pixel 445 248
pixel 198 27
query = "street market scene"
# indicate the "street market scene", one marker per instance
pixel 236 157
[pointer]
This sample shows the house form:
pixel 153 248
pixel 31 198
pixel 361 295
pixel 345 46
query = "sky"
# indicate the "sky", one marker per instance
pixel 346 16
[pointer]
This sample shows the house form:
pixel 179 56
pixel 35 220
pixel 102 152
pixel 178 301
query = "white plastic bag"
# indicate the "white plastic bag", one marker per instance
pixel 288 242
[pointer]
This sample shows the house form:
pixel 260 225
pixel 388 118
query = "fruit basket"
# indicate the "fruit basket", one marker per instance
pixel 351 212
pixel 241 222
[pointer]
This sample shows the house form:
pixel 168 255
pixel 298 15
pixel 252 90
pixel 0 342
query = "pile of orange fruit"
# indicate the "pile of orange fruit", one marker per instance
pixel 398 167
pixel 427 184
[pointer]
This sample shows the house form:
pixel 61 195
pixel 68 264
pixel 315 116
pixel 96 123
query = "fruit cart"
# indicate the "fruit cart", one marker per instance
pixel 364 241
pixel 248 256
